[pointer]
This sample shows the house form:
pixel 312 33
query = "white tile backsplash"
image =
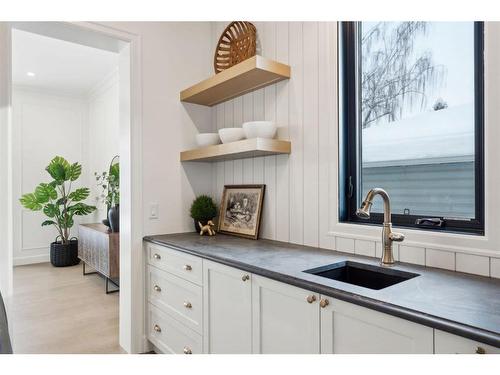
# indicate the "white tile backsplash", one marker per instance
pixel 495 267
pixel 412 254
pixel 344 244
pixel 476 264
pixel 431 257
pixel 363 247
pixel 440 259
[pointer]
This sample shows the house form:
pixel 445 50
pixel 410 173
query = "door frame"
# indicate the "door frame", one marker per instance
pixel 132 336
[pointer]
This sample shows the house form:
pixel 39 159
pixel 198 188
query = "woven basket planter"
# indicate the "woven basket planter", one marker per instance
pixel 237 43
pixel 64 255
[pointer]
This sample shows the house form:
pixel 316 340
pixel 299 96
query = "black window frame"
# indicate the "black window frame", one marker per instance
pixel 350 139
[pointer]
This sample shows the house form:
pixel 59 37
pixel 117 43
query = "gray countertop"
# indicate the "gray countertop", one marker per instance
pixel 458 303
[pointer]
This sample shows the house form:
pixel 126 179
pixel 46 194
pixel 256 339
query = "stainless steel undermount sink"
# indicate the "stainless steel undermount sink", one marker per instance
pixel 361 274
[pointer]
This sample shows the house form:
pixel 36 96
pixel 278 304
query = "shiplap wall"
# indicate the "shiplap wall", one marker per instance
pixel 304 107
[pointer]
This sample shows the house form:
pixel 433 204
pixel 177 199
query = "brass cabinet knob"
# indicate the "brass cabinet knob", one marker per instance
pixel 157 288
pixel 157 328
pixel 480 350
pixel 323 302
pixel 245 277
pixel 187 350
pixel 187 267
pixel 187 305
pixel 157 256
pixel 311 298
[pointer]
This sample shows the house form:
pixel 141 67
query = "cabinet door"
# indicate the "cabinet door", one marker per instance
pixel 446 343
pixel 285 318
pixel 227 294
pixel 351 329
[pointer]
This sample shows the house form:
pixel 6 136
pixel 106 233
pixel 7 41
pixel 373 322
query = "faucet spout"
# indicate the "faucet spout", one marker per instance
pixel 388 236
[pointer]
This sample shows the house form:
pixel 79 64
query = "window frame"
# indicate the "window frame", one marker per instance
pixel 350 137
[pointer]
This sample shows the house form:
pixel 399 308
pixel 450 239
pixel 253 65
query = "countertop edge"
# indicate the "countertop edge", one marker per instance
pixel 467 331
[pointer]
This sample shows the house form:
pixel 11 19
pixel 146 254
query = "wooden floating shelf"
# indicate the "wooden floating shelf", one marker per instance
pixel 238 150
pixel 247 76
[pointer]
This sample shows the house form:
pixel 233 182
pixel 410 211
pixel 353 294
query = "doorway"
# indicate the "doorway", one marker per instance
pixel 126 47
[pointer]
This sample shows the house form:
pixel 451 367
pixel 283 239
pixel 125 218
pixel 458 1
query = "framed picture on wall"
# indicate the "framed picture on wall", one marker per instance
pixel 241 210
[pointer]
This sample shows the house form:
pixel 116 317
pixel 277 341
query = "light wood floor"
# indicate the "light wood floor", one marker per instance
pixel 58 310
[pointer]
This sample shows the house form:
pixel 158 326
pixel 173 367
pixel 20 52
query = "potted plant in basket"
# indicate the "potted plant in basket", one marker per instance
pixel 60 204
pixel 110 184
pixel 202 210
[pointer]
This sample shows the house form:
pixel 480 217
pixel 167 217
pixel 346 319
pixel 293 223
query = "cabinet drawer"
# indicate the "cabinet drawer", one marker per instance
pixel 178 297
pixel 187 266
pixel 170 336
pixel 446 343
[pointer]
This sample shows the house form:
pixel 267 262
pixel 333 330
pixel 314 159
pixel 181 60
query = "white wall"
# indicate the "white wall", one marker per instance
pixel 5 170
pixel 301 189
pixel 166 57
pixel 174 56
pixel 295 204
pixel 45 124
pixel 83 128
pixel 103 135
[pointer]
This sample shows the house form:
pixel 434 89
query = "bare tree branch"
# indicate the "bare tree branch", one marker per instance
pixel 392 76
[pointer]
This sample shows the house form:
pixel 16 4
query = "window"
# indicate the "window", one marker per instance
pixel 411 122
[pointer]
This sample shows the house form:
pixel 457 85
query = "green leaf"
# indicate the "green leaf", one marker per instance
pixel 51 210
pixel 48 222
pixel 73 172
pixel 30 202
pixel 58 168
pixel 203 208
pixel 67 222
pixel 81 209
pixel 114 171
pixel 45 192
pixel 79 194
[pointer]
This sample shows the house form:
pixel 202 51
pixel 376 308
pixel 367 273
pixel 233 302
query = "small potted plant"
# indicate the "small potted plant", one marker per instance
pixel 60 204
pixel 202 210
pixel 110 196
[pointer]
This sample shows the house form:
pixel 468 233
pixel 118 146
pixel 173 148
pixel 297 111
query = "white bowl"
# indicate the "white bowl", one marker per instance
pixel 259 129
pixel 207 139
pixel 231 134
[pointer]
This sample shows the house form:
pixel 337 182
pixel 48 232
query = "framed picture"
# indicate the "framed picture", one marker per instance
pixel 241 209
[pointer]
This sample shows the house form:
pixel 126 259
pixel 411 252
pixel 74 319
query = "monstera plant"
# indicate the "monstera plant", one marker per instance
pixel 60 204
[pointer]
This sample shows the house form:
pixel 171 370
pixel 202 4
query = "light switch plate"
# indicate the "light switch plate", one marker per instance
pixel 154 211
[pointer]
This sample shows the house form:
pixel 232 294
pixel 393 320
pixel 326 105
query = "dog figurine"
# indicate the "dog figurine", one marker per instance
pixel 207 228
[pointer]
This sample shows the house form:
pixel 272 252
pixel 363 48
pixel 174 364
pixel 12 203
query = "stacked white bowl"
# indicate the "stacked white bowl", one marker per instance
pixel 228 135
pixel 259 129
pixel 207 139
pixel 249 130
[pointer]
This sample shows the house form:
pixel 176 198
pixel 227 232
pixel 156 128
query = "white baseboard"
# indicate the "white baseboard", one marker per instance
pixel 21 261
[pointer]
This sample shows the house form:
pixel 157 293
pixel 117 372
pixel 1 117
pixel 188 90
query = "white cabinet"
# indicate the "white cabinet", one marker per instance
pixel 180 298
pixel 227 309
pixel 348 328
pixel 446 343
pixel 183 265
pixel 285 318
pixel 195 305
pixel 170 336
